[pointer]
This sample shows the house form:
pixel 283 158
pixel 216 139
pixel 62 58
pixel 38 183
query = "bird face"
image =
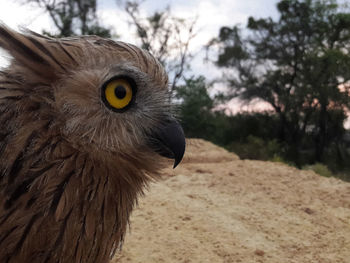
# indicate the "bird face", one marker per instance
pixel 106 96
pixel 83 123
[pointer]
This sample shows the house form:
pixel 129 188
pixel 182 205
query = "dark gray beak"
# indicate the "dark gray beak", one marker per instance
pixel 169 141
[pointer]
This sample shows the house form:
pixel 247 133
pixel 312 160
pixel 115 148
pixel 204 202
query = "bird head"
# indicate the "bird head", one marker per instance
pixel 102 96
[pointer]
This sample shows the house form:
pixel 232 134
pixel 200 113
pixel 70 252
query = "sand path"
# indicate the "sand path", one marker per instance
pixel 216 208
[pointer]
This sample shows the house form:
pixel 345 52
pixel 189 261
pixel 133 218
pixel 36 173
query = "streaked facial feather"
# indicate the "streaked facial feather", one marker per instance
pixel 71 169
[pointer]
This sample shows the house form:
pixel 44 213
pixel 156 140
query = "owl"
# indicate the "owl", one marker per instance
pixel 85 124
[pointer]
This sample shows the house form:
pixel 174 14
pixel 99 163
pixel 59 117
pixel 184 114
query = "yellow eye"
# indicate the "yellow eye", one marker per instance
pixel 118 93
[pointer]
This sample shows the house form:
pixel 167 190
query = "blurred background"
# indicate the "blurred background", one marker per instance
pixel 268 80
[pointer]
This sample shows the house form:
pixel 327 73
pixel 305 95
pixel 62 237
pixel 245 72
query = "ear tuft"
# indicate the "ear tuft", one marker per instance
pixel 32 51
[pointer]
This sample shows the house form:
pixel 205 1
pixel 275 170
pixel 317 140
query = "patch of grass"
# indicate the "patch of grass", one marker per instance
pixel 279 159
pixel 320 169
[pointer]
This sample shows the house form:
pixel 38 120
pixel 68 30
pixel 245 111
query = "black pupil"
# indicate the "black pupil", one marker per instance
pixel 120 92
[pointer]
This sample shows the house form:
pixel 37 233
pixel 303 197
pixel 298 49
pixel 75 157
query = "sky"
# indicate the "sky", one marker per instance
pixel 212 14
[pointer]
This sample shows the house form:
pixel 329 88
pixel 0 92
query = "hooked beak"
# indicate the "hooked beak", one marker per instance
pixel 169 141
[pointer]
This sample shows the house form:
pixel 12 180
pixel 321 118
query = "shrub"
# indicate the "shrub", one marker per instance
pixel 320 169
pixel 256 148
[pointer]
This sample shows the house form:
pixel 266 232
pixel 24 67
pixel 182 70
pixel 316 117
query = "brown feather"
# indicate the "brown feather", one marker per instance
pixel 71 169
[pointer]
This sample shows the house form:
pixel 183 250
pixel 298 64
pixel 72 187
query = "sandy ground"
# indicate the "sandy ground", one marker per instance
pixel 216 208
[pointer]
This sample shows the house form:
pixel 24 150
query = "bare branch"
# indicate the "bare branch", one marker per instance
pixel 168 38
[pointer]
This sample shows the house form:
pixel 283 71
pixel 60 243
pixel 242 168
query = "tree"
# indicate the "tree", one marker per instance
pixel 73 17
pixel 166 37
pixel 196 108
pixel 297 64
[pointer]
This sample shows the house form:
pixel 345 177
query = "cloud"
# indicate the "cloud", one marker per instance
pixel 211 14
pixel 15 15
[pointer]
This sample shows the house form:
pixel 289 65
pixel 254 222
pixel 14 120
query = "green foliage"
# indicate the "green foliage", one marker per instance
pixel 320 169
pixel 253 136
pixel 260 124
pixel 295 64
pixel 200 119
pixel 256 148
pixel 278 159
pixel 98 30
pixel 195 110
